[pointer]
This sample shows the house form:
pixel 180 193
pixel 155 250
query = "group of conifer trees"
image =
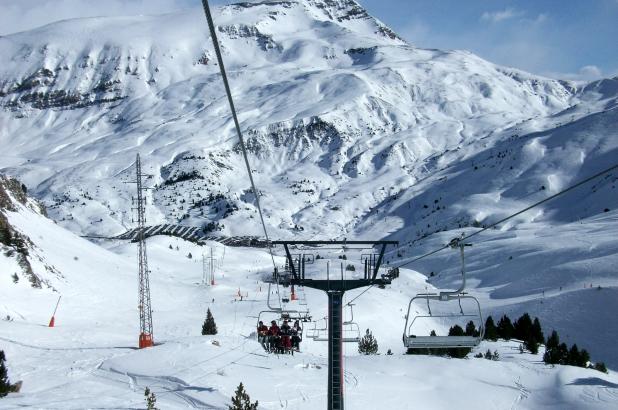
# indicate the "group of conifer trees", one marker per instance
pixel 525 329
pixel 531 334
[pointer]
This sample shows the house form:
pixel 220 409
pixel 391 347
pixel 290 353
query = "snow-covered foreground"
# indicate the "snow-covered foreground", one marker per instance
pixel 89 359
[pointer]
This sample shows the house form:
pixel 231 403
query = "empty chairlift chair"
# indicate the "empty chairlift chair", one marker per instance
pixel 415 341
pixel 351 331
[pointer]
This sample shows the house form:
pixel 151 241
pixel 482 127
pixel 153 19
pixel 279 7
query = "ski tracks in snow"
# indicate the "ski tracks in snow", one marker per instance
pixel 524 393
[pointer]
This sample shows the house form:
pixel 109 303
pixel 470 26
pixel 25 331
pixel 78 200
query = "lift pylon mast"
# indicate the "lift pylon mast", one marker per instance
pixel 335 289
pixel 145 308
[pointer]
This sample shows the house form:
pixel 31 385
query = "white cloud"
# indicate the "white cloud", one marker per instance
pixel 498 16
pixel 585 74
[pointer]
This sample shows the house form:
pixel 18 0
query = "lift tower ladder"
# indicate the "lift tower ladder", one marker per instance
pixel 335 290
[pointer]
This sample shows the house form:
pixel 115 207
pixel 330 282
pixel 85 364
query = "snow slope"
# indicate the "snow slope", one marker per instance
pixel 89 359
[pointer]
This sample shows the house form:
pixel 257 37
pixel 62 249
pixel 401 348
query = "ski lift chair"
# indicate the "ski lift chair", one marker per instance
pixel 414 341
pixel 319 333
pixel 351 330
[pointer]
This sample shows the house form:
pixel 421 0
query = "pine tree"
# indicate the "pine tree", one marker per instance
pixel 471 329
pixel 531 345
pixel 457 352
pixel 491 332
pixel 563 354
pixel 553 340
pixel 584 358
pixel 537 331
pixel 209 327
pixel 522 328
pixel 151 400
pixel 5 384
pixel 242 401
pixel 573 356
pixel 368 344
pixel 505 328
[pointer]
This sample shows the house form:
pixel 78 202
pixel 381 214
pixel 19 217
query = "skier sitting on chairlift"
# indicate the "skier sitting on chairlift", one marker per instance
pixel 297 332
pixel 262 332
pixel 286 333
pixel 273 336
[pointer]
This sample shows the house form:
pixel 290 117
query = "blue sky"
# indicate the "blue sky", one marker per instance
pixel 573 39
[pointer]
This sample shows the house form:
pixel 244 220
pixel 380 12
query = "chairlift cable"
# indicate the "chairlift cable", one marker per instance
pixel 241 139
pixel 549 198
pixel 359 295
pixel 215 41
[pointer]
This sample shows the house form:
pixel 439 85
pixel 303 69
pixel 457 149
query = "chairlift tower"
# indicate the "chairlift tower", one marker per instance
pixel 145 307
pixel 335 289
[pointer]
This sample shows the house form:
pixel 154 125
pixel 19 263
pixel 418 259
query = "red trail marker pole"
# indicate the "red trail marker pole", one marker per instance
pixel 52 321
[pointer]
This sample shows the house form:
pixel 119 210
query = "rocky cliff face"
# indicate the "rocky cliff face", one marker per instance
pixel 13 243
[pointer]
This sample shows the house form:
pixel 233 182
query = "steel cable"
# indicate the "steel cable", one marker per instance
pixel 549 198
pixel 215 42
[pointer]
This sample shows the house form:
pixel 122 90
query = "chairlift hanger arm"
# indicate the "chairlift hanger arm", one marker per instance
pixel 379 262
pixel 290 260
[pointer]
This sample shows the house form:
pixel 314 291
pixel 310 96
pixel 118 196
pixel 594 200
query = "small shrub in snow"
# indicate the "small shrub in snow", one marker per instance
pixel 151 399
pixel 5 385
pixel 242 401
pixel 15 278
pixel 479 355
pixel 368 344
pixel 350 267
pixel 600 366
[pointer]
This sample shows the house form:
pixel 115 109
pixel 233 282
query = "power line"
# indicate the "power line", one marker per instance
pixel 549 198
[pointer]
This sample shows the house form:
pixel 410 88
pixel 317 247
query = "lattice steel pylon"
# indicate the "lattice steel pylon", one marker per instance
pixel 146 338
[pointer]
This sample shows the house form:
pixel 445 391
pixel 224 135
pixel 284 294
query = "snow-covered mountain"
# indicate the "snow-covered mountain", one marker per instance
pixel 353 132
pixel 341 116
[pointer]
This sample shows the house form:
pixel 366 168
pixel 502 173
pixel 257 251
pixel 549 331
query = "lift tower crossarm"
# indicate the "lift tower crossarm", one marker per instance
pixel 295 275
